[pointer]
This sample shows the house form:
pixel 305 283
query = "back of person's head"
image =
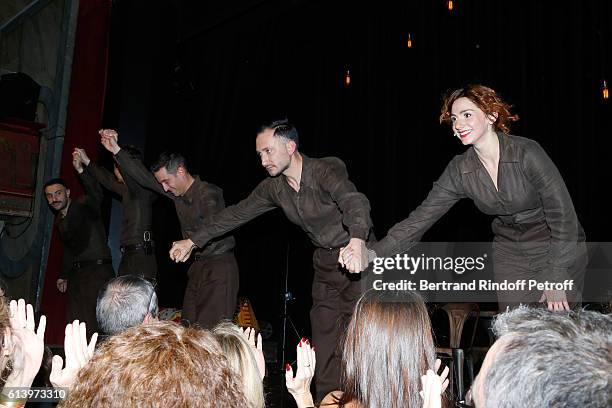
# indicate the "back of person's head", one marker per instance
pixel 242 361
pixel 283 129
pixel 170 161
pixel 161 364
pixel 124 302
pixel 133 151
pixel 387 348
pixel 550 359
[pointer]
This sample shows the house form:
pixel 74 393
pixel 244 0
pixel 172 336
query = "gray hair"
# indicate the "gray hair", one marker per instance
pixel 551 359
pixel 124 302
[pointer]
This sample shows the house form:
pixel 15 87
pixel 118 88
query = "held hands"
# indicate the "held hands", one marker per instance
pixel 299 386
pixel 62 285
pixel 77 162
pixel 354 256
pixel 78 353
pixel 27 344
pixel 249 334
pixel 555 299
pixel 434 386
pixel 109 138
pixel 181 250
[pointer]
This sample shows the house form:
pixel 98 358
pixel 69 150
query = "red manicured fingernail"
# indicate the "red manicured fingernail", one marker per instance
pixel 303 340
pixel 313 348
pixel 307 342
pixel 287 367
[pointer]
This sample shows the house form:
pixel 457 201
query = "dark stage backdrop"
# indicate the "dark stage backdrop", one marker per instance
pixel 221 70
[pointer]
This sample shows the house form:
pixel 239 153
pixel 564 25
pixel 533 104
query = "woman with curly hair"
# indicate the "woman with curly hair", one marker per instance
pixel 537 233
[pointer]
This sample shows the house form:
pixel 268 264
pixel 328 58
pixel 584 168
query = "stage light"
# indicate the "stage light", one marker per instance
pixel 347 78
pixel 605 93
pixel 450 5
pixel 409 41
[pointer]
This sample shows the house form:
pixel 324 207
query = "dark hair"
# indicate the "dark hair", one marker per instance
pixel 56 180
pixel 171 161
pixel 387 348
pixel 486 99
pixel 283 129
pixel 133 151
pixel 124 302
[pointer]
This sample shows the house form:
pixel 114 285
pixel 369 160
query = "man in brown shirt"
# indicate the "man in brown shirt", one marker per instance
pixel 317 195
pixel 212 286
pixel 86 261
pixel 137 246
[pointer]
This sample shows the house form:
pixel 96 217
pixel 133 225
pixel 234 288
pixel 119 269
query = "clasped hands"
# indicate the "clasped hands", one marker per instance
pixel 354 256
pixel 181 250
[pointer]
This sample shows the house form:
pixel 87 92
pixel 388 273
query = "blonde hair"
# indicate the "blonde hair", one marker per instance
pixel 161 364
pixel 242 362
pixel 5 326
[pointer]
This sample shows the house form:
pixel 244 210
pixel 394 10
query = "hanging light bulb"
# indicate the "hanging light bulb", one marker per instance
pixel 605 93
pixel 409 41
pixel 450 5
pixel 347 78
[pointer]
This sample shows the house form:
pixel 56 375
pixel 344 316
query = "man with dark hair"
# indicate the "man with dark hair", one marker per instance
pixel 317 195
pixel 126 301
pixel 86 262
pixel 212 286
pixel 547 358
pixel 137 246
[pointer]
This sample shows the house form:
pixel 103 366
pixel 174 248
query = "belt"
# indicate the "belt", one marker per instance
pixel 144 246
pixel 83 264
pixel 524 226
pixel 200 257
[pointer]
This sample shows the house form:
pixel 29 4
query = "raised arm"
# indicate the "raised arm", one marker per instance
pixel 129 166
pixel 92 187
pixel 105 178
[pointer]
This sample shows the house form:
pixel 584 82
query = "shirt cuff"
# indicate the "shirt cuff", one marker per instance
pixel 382 248
pixel 361 233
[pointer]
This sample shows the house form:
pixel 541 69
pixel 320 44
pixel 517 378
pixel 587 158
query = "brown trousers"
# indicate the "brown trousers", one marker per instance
pixel 212 289
pixel 82 294
pixel 334 294
pixel 138 263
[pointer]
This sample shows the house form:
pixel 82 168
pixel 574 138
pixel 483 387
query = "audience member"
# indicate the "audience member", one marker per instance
pixel 240 350
pixel 124 302
pixel 160 364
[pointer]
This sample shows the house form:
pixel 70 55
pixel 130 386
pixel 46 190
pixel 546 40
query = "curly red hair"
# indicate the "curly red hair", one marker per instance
pixel 486 99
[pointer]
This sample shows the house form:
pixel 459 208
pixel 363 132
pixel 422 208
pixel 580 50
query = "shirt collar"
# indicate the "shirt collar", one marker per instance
pixel 191 193
pixel 507 154
pixel 306 178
